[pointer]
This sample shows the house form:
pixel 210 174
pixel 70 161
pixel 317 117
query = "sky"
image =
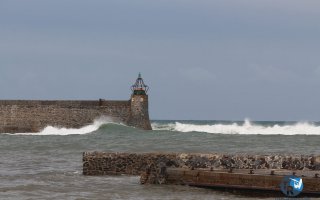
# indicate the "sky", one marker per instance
pixel 202 59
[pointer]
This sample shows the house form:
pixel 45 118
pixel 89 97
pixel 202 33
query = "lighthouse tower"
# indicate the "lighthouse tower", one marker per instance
pixel 139 116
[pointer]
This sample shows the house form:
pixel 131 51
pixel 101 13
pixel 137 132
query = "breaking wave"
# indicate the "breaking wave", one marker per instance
pixel 50 130
pixel 246 128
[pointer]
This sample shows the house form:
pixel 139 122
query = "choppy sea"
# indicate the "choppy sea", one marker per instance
pixel 48 164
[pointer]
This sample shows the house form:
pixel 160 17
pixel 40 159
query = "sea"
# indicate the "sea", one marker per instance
pixel 48 164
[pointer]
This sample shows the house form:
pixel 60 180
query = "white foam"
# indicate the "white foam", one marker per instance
pixel 163 126
pixel 249 128
pixel 50 130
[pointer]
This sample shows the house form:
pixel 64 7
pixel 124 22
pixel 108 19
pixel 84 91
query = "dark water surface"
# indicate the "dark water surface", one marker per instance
pixel 50 166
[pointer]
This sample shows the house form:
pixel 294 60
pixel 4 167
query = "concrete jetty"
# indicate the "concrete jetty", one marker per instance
pixel 20 116
pixel 235 171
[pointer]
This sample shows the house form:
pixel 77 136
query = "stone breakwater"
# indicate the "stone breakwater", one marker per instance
pixel 18 116
pixel 104 163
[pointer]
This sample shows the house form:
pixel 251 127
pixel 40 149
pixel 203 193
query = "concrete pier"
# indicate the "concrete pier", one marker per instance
pixel 234 171
pixel 28 116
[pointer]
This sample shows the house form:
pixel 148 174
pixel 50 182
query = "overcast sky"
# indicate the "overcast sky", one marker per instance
pixel 203 59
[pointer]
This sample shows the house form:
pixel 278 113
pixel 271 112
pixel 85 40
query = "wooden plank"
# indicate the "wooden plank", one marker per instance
pixel 241 179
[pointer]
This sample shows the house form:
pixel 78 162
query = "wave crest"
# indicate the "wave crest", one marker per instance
pixel 247 128
pixel 51 130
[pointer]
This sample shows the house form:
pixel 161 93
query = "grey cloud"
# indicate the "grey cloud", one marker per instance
pixel 249 57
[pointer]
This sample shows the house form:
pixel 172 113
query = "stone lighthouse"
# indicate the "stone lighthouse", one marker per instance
pixel 139 105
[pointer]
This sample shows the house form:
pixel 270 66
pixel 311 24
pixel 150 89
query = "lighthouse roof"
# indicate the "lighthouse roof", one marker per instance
pixel 139 87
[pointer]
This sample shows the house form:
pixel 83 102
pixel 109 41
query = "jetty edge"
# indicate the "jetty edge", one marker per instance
pixel 216 170
pixel 28 116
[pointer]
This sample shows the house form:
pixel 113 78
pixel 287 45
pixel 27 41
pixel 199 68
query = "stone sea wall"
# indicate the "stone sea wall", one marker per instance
pixel 104 163
pixel 18 116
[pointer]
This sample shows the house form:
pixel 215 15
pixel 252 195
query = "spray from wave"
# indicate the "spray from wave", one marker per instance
pixel 50 130
pixel 247 128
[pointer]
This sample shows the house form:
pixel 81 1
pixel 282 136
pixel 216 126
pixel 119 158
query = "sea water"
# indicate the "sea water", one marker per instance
pixel 48 164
